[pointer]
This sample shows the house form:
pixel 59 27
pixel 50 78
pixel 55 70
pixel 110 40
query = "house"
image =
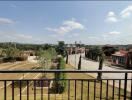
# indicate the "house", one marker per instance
pixel 72 49
pixel 120 58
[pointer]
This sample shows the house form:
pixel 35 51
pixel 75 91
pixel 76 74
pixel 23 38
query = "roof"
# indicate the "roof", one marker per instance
pixel 120 53
pixel 130 50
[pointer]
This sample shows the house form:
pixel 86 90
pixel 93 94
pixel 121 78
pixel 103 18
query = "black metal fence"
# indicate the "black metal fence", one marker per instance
pixel 76 88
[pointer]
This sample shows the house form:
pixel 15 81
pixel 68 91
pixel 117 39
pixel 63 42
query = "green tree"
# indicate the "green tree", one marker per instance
pixel 11 53
pixel 129 60
pixel 93 53
pixel 45 57
pixel 79 63
pixel 1 52
pixel 61 50
pixel 101 60
pixel 67 58
pixel 60 85
pixel 109 50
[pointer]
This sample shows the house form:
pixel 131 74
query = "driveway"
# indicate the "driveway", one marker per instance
pixel 92 65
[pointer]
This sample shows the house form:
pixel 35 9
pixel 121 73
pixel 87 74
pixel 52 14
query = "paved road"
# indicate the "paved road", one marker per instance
pixel 91 65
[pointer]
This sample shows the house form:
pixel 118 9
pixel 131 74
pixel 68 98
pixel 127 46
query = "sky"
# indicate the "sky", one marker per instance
pixel 88 22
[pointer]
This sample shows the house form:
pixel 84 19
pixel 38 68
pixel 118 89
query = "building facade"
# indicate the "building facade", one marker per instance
pixel 122 58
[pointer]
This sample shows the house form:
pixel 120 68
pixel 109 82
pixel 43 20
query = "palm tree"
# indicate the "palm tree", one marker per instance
pixel 66 57
pixel 101 60
pixel 129 60
pixel 79 63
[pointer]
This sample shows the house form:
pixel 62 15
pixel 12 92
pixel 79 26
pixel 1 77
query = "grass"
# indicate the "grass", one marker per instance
pixel 64 95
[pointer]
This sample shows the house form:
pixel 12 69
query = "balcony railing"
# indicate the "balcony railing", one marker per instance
pixel 76 88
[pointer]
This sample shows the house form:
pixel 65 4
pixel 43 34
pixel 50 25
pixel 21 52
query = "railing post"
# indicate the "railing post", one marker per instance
pixel 5 90
pixel 125 86
pixel 12 90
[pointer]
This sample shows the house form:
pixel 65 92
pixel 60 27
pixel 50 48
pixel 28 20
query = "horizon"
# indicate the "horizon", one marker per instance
pixel 65 43
pixel 88 22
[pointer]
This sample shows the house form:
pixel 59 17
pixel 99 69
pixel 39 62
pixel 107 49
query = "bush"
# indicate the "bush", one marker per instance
pixel 1 60
pixel 22 58
pixel 17 84
pixel 9 59
pixel 13 59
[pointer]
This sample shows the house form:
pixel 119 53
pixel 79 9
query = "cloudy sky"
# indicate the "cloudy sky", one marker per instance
pixel 48 22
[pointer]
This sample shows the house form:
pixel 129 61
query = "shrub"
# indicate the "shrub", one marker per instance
pixel 9 59
pixel 17 84
pixel 13 59
pixel 1 60
pixel 22 58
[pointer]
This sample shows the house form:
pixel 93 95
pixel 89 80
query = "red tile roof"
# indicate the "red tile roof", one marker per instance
pixel 121 53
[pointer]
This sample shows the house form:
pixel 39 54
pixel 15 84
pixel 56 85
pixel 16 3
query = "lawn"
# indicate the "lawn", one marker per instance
pixel 81 88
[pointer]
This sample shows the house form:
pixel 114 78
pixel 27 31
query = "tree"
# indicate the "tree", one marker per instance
pixel 109 50
pixel 101 60
pixel 79 63
pixel 44 58
pixel 11 53
pixel 59 86
pixel 93 53
pixel 129 60
pixel 66 58
pixel 61 48
pixel 2 52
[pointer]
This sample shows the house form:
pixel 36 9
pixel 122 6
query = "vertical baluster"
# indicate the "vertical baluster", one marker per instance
pixel 88 91
pixel 125 86
pixel 27 90
pixel 20 87
pixel 101 90
pixel 12 90
pixel 81 89
pixel 107 89
pixel 68 89
pixel 75 89
pixel 94 89
pixel 41 89
pixel 34 90
pixel 131 87
pixel 55 89
pixel 119 89
pixel 113 92
pixel 5 90
pixel 48 90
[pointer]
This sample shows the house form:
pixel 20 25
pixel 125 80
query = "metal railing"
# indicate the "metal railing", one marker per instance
pixel 76 88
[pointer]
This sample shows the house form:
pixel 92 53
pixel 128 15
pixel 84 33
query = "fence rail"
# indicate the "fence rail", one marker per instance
pixel 76 88
pixel 65 71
